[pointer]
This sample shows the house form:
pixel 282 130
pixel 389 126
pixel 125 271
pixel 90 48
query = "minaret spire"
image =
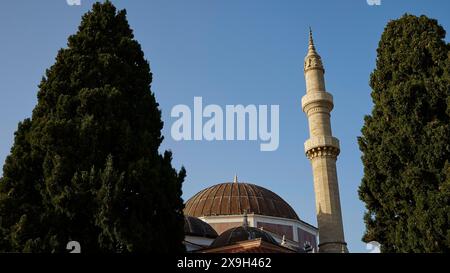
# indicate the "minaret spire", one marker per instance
pixel 311 47
pixel 313 59
pixel 322 149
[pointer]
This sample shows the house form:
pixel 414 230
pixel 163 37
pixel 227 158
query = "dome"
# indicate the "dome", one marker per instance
pixel 196 227
pixel 241 233
pixel 236 198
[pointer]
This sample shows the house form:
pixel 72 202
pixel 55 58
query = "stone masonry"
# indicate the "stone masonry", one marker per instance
pixel 322 150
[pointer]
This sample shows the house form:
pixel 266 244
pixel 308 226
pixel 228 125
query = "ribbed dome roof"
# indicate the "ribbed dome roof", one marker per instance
pixel 242 233
pixel 236 198
pixel 196 227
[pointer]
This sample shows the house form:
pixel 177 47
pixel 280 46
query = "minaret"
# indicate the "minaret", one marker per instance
pixel 322 150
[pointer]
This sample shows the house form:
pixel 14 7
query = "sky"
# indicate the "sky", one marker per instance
pixel 228 52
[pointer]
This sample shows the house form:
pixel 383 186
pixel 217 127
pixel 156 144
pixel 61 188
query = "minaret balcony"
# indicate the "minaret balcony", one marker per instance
pixel 319 142
pixel 317 99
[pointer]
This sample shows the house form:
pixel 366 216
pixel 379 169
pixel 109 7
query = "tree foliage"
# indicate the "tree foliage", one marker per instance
pixel 406 140
pixel 86 166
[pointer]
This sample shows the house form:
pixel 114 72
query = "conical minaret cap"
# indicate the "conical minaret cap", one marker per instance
pixel 311 47
pixel 313 59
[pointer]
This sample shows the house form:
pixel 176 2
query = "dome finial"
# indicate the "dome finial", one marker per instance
pixel 235 180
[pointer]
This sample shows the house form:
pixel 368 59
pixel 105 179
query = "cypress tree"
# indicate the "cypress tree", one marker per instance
pixel 85 167
pixel 406 140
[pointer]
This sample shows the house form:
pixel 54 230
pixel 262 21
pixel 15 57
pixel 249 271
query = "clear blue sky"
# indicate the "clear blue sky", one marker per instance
pixel 228 52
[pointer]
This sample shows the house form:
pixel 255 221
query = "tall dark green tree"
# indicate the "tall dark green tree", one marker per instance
pixel 406 140
pixel 86 166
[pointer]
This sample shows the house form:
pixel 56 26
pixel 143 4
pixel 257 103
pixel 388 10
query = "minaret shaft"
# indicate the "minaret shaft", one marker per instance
pixel 322 150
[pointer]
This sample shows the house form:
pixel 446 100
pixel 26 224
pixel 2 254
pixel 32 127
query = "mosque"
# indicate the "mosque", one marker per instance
pixel 238 217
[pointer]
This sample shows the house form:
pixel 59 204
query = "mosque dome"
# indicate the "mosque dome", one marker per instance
pixel 236 198
pixel 242 233
pixel 196 227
